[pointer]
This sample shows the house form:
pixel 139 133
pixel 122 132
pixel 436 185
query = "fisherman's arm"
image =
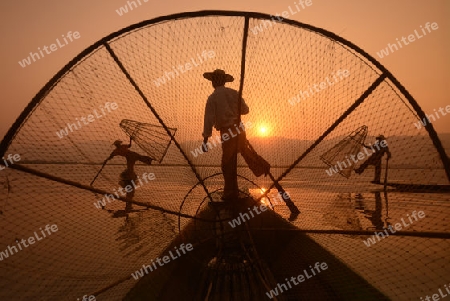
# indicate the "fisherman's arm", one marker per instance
pixel 244 107
pixel 388 153
pixel 119 151
pixel 208 122
pixel 112 155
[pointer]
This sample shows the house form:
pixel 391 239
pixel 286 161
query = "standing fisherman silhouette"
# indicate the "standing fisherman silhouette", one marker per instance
pixel 128 176
pixel 222 112
pixel 379 148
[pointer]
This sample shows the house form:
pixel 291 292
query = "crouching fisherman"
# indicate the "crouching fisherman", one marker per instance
pixel 128 176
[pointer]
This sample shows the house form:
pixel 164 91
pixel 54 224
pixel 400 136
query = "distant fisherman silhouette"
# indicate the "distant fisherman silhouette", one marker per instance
pixel 222 112
pixel 128 176
pixel 375 158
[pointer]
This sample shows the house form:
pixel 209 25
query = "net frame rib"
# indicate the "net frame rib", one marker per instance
pixel 23 168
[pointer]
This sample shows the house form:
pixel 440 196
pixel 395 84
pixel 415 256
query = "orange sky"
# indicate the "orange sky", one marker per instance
pixel 423 67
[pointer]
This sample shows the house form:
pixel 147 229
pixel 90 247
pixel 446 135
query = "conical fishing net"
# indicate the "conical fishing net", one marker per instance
pixel 347 147
pixel 306 88
pixel 152 139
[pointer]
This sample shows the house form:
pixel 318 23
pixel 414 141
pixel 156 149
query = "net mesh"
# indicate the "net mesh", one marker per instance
pixel 298 82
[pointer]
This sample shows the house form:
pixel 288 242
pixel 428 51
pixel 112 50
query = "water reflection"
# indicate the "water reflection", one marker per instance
pixel 375 216
pixel 129 234
pixel 134 235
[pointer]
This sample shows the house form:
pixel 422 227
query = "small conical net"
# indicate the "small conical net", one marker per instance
pixel 154 140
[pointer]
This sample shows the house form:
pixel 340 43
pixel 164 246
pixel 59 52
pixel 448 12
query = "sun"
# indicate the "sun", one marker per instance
pixel 263 131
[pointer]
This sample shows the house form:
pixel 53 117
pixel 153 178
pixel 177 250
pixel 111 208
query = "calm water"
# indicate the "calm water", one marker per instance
pixel 91 250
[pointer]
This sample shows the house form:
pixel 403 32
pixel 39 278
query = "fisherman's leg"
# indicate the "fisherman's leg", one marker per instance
pixel 229 162
pixel 377 171
pixel 376 216
pixel 129 196
pixel 146 159
pixel 128 206
pixel 362 167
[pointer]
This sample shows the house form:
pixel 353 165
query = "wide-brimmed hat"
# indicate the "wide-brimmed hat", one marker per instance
pixel 218 74
pixel 380 137
pixel 117 143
